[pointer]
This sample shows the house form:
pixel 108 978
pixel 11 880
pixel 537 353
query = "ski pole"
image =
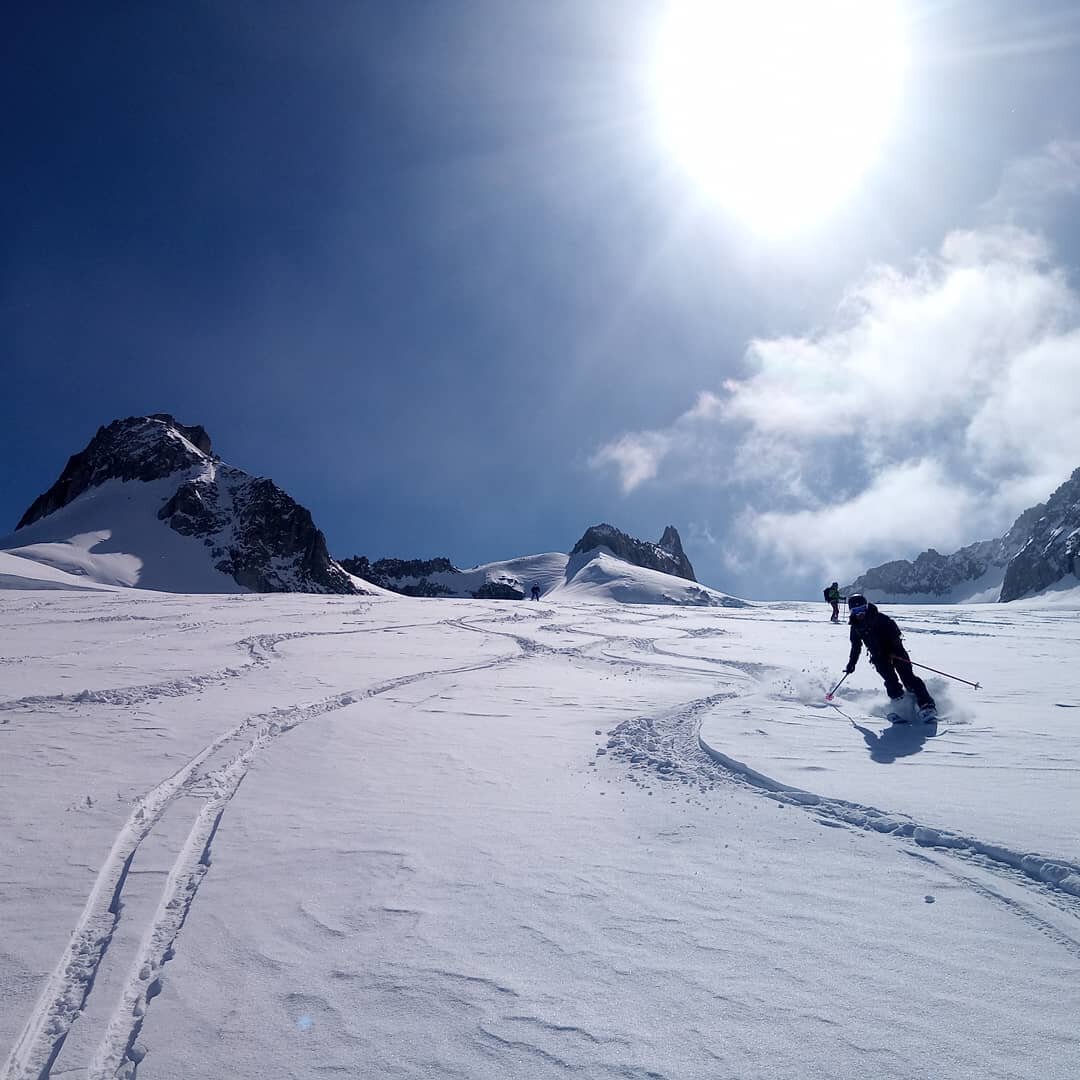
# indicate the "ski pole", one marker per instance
pixel 927 667
pixel 829 695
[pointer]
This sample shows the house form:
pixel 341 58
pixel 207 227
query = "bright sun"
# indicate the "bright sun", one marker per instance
pixel 777 107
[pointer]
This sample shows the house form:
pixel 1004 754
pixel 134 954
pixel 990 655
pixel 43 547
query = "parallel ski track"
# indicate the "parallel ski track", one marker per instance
pixel 71 981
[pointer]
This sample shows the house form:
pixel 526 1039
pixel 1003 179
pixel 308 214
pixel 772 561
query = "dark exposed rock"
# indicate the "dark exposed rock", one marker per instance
pixel 497 590
pixel 411 568
pixel 262 537
pixel 423 587
pixel 138 448
pixel 1052 545
pixel 667 556
pixel 389 574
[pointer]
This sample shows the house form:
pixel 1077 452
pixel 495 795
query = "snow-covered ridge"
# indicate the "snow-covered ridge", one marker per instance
pixel 597 575
pixel 605 565
pixel 148 504
pixel 666 556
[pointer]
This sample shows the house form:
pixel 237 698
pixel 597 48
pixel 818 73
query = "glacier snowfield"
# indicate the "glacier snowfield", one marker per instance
pixel 280 836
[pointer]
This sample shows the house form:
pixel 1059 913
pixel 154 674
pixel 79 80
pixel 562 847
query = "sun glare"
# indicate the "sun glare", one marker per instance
pixel 778 107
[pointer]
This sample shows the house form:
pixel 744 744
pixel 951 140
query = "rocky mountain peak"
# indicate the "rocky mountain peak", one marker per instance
pixel 251 529
pixel 138 448
pixel 1050 543
pixel 670 541
pixel 667 556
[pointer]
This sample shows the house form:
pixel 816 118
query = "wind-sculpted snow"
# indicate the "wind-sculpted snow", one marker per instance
pixel 287 835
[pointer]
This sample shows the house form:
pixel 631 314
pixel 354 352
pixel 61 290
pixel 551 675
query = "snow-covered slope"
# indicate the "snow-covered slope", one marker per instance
pixel 601 577
pixel 112 535
pixel 147 504
pixel 21 572
pixel 269 836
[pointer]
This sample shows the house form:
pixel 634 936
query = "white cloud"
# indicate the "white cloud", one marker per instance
pixel 636 457
pixel 941 401
pixel 890 514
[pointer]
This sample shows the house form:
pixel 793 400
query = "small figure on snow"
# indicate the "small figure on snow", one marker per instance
pixel 832 595
pixel 881 636
pixel 536 592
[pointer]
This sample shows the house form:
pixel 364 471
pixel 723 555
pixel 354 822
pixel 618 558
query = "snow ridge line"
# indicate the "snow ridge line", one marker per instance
pixel 69 985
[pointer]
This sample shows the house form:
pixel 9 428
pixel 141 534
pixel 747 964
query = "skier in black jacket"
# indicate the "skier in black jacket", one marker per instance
pixel 881 636
pixel 832 596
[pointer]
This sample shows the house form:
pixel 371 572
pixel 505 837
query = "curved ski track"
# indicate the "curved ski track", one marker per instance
pixel 669 747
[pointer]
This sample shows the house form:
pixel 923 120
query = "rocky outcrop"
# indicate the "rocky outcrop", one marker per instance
pixel 1040 549
pixel 257 534
pixel 138 448
pixel 497 590
pixel 667 556
pixel 253 531
pixel 1051 550
pixel 406 576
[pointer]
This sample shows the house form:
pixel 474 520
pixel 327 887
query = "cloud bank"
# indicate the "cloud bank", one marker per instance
pixel 942 399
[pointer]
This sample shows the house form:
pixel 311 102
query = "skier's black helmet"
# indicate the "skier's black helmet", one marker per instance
pixel 856 603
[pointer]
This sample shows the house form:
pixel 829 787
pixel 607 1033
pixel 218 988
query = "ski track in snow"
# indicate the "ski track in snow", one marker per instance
pixel 669 747
pixel 72 980
pixel 665 748
pixel 261 649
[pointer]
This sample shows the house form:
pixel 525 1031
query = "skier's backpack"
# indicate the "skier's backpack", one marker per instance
pixel 826 591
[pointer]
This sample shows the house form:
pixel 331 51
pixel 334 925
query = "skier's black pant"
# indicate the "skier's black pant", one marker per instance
pixel 835 610
pixel 897 669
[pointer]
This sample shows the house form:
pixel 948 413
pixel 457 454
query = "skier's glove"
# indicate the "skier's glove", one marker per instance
pixel 849 669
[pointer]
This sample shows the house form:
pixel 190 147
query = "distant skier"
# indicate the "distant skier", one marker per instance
pixel 881 636
pixel 832 595
pixel 536 592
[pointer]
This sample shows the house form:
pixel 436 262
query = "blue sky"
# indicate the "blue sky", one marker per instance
pixel 435 268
